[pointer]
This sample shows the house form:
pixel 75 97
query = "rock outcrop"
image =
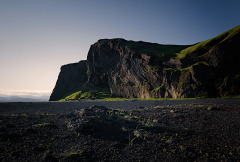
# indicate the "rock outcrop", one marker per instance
pixel 71 79
pixel 148 70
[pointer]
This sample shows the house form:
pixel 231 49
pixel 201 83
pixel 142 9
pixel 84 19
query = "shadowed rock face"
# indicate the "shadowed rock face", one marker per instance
pixel 145 70
pixel 124 71
pixel 71 79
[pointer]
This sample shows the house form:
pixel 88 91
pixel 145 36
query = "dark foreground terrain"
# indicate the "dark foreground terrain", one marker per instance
pixel 178 130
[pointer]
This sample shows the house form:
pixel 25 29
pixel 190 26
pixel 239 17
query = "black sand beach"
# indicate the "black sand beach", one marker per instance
pixel 164 130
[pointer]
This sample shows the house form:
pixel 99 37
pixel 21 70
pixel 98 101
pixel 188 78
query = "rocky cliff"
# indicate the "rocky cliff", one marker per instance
pixel 116 67
pixel 71 79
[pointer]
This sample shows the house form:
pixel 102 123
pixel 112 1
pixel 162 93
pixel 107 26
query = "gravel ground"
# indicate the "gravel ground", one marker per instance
pixel 167 130
pixel 53 107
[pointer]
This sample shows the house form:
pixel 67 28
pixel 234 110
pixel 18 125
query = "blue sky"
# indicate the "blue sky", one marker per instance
pixel 38 36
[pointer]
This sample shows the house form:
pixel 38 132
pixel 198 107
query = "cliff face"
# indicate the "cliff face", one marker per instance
pixel 71 79
pixel 146 70
pixel 219 73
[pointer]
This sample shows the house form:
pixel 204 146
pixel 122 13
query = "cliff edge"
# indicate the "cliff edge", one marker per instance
pixel 121 68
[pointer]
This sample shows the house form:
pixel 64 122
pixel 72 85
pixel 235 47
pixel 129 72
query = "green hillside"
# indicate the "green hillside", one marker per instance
pixel 154 49
pixel 206 45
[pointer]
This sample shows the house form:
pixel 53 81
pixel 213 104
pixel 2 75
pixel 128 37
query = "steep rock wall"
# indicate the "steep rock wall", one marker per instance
pixel 149 70
pixel 72 78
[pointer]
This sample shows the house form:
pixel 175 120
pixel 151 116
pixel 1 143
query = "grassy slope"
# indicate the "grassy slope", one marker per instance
pixel 206 44
pixel 91 94
pixel 154 48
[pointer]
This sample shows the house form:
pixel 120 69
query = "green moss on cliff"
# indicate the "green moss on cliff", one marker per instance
pixel 154 48
pixel 157 89
pixel 208 44
pixel 196 64
pixel 139 86
pixel 223 83
pixel 169 69
pixel 73 96
pixel 91 94
pixel 187 68
pixel 229 85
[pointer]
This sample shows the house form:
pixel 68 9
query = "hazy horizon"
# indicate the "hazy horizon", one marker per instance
pixel 24 95
pixel 38 37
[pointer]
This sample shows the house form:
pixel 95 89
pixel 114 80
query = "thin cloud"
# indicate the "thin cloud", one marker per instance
pixel 32 93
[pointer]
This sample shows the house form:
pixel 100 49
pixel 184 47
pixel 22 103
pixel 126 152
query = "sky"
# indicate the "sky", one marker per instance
pixel 37 37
